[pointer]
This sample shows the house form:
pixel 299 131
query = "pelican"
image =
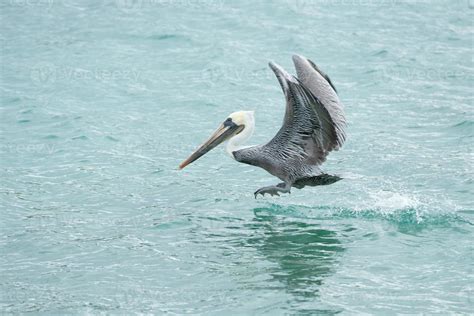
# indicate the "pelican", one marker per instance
pixel 314 125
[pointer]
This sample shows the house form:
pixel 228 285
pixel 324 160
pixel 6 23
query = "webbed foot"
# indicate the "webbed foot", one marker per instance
pixel 273 190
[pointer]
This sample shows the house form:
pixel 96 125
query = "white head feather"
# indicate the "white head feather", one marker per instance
pixel 246 119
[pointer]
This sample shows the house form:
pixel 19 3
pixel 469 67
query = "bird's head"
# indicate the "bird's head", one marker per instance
pixel 232 125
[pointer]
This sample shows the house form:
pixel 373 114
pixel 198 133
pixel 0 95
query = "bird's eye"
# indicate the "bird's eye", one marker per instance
pixel 228 122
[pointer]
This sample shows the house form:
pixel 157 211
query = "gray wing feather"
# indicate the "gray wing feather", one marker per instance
pixel 314 120
pixel 320 85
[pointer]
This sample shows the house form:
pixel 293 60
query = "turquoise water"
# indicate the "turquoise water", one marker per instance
pixel 101 100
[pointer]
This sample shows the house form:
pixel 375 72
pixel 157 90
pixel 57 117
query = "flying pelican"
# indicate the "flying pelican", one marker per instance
pixel 314 125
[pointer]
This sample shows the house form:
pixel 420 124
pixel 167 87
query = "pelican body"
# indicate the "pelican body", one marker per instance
pixel 314 125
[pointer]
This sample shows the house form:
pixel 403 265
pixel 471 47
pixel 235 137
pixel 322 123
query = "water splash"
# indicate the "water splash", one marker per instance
pixel 402 209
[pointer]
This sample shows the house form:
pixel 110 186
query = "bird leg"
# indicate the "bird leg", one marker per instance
pixel 274 189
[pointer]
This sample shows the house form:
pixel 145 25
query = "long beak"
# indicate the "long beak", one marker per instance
pixel 223 133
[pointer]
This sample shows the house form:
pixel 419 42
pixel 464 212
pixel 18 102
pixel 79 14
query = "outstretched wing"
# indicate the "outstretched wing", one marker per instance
pixel 314 121
pixel 320 85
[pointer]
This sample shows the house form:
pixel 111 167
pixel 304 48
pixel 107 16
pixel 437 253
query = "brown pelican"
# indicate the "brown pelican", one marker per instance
pixel 314 125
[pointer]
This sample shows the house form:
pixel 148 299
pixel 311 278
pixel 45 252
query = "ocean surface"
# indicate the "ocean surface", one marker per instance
pixel 101 100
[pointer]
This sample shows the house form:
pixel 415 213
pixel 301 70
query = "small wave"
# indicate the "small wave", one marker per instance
pixel 108 137
pixel 163 37
pixel 464 124
pixel 382 53
pixel 51 136
pixel 80 137
pixel 11 100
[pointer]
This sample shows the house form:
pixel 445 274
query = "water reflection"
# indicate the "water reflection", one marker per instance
pixel 305 253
